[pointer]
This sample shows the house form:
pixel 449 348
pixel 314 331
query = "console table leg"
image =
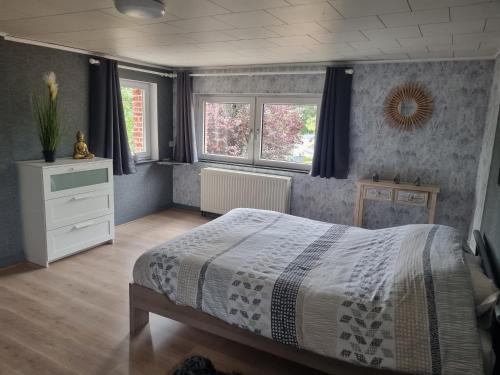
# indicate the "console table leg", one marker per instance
pixel 358 211
pixel 432 208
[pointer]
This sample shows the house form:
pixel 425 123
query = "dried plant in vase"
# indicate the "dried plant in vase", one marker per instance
pixel 47 117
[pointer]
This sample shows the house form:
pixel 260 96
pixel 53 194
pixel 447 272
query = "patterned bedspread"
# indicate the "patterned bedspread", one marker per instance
pixel 397 298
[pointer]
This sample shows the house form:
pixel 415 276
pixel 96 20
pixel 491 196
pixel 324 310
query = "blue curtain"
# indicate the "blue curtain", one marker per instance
pixel 107 128
pixel 331 151
pixel 185 144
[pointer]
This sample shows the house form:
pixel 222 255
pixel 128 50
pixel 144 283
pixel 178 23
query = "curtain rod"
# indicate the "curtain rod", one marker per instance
pixel 60 47
pixel 168 75
pixel 291 72
pixel 126 67
pixel 249 74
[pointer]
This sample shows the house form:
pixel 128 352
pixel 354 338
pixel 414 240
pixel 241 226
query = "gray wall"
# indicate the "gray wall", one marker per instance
pixel 444 152
pixel 21 68
pixel 486 155
pixel 491 216
pixel 150 189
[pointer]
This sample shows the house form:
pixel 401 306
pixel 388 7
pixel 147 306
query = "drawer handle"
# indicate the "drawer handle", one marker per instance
pixel 80 197
pixel 84 225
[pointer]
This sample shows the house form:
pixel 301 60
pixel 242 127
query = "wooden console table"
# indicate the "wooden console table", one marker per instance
pixel 388 191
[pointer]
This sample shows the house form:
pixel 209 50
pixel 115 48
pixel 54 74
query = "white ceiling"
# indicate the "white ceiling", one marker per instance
pixel 239 32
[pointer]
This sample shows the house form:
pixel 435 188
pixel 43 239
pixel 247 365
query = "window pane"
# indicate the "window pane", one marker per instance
pixel 227 129
pixel 288 132
pixel 133 108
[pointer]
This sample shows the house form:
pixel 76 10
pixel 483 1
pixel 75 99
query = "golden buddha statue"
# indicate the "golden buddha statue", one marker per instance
pixel 81 150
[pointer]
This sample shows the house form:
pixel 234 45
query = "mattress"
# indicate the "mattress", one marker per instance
pixel 397 298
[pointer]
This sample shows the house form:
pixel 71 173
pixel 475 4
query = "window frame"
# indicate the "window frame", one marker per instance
pixel 261 101
pixel 200 119
pixel 150 117
pixel 256 120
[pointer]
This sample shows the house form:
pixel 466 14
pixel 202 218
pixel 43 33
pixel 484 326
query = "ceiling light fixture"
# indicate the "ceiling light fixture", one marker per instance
pixel 141 8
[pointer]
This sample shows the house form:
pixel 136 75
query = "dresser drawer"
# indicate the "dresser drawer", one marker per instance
pixel 380 194
pixel 417 198
pixel 71 180
pixel 76 208
pixel 70 239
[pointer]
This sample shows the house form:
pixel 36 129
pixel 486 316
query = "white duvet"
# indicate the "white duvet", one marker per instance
pixel 397 298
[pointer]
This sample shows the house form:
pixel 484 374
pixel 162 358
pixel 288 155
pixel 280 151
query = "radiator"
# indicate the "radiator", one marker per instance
pixel 223 189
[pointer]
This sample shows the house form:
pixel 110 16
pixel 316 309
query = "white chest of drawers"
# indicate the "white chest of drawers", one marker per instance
pixel 66 207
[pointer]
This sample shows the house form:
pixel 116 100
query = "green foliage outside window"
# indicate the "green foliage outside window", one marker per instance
pixel 128 111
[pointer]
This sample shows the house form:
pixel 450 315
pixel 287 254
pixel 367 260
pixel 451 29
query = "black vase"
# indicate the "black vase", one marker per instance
pixel 50 156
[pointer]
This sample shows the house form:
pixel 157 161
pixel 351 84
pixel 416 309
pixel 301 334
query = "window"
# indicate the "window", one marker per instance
pixel 227 128
pixel 140 110
pixel 274 131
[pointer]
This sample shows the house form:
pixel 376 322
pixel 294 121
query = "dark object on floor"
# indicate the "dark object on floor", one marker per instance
pixel 397 179
pixel 418 181
pixel 197 365
pixel 210 215
pixel 375 177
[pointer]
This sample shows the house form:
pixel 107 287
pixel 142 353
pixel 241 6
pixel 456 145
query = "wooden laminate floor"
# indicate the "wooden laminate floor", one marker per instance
pixel 72 318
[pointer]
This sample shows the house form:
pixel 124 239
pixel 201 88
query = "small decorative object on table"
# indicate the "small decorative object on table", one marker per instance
pixel 397 179
pixel 81 150
pixel 375 177
pixel 418 182
pixel 47 117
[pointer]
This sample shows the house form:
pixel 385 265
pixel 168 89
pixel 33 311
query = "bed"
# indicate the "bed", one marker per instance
pixel 328 296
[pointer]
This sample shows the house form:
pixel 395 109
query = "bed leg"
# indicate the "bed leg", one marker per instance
pixel 138 317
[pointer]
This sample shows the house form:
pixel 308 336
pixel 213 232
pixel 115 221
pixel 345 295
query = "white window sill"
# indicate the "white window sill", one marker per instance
pixel 145 161
pixel 171 162
pixel 253 166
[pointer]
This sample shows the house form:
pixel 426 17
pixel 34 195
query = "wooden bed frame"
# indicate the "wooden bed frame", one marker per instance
pixel 144 300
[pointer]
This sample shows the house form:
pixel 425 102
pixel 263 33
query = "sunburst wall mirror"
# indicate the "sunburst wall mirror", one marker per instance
pixel 408 106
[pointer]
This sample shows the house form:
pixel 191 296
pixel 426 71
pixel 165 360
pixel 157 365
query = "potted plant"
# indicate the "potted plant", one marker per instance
pixel 47 118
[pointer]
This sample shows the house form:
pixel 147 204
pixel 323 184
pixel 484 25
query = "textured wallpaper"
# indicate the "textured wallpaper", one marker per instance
pixel 21 69
pixel 150 189
pixel 444 152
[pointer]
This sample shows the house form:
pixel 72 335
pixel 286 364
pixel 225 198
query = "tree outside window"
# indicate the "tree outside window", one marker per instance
pixel 278 131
